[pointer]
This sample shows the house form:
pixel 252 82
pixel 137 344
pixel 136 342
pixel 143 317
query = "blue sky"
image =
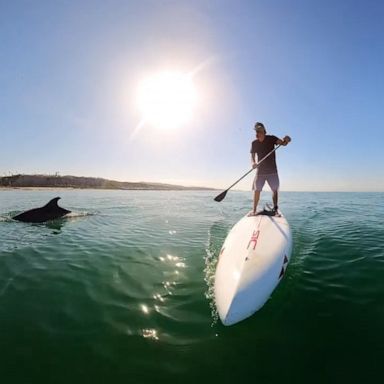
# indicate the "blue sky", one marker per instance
pixel 314 70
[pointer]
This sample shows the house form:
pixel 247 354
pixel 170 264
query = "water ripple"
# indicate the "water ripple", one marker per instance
pixel 129 286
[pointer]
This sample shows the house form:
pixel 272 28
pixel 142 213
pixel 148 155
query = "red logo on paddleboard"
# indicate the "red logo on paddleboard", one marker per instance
pixel 254 237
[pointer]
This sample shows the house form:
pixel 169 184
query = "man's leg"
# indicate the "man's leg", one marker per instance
pixel 275 198
pixel 258 184
pixel 256 197
pixel 274 183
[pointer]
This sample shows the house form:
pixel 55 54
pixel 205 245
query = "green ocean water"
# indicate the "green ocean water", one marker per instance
pixel 121 291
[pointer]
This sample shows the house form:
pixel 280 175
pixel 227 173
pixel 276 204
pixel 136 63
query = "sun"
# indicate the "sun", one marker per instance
pixel 167 100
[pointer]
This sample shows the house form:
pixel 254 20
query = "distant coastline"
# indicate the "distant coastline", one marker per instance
pixel 79 182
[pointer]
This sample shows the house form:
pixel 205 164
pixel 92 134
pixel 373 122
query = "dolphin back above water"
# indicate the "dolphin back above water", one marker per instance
pixel 50 211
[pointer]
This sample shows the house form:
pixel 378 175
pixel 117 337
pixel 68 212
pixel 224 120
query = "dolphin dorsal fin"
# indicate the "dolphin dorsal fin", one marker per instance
pixel 53 203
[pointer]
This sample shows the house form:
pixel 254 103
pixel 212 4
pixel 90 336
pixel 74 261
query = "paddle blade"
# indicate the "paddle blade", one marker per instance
pixel 221 196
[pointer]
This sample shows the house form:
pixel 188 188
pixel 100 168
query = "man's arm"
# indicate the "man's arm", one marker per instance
pixel 283 142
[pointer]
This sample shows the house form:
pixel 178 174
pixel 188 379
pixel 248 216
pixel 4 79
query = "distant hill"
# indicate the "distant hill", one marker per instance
pixel 54 181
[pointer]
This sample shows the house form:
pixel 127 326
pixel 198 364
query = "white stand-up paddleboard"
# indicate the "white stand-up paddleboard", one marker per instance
pixel 251 263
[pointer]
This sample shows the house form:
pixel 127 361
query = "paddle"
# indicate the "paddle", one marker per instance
pixel 223 194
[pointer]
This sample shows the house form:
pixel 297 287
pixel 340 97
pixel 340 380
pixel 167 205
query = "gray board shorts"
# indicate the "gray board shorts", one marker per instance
pixel 272 179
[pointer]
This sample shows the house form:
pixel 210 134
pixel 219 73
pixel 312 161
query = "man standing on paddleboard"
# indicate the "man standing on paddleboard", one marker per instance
pixel 267 169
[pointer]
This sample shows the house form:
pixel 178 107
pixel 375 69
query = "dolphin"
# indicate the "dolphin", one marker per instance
pixel 50 211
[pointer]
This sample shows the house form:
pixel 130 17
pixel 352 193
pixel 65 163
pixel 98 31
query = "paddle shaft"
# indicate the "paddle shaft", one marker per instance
pixel 257 165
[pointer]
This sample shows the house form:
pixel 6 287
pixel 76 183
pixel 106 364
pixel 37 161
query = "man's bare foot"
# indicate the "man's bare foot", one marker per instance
pixel 252 213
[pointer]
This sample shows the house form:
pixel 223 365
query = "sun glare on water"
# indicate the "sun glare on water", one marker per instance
pixel 167 100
